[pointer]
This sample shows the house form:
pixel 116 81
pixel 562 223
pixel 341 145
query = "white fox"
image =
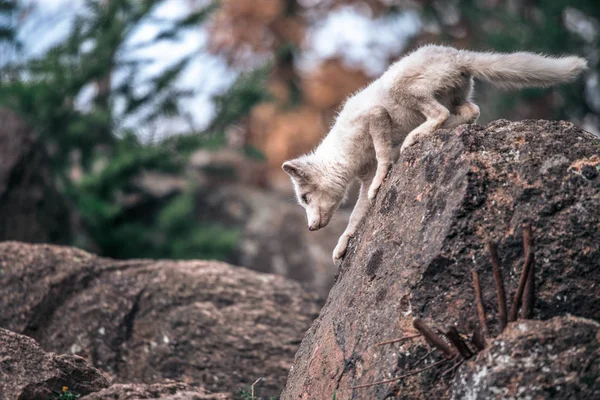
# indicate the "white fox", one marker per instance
pixel 426 90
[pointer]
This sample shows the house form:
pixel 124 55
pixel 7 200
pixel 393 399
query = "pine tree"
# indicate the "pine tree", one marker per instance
pixel 109 157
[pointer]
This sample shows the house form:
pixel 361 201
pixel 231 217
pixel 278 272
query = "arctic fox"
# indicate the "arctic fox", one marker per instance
pixel 426 90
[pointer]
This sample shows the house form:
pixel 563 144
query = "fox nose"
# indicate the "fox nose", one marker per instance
pixel 314 226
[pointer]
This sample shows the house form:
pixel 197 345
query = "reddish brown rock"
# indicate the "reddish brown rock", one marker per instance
pixel 200 322
pixel 29 373
pixel 443 200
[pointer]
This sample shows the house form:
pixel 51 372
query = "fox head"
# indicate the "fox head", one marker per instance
pixel 315 191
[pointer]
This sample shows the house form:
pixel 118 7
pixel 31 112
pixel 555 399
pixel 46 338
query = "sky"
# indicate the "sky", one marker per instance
pixel 347 33
pixel 207 75
pixel 362 41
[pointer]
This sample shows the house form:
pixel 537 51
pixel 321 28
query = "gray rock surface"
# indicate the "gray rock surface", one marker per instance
pixel 554 359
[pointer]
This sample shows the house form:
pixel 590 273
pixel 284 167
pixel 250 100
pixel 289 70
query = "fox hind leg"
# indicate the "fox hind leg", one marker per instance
pixel 436 115
pixel 465 113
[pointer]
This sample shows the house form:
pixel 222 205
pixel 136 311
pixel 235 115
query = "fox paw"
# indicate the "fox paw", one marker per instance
pixel 407 143
pixel 373 190
pixel 340 249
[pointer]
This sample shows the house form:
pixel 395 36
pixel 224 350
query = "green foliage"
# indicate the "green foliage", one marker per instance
pixel 48 86
pixel 125 222
pixel 65 394
pixel 247 91
pixel 183 238
pixel 9 43
pixel 64 129
pixel 119 216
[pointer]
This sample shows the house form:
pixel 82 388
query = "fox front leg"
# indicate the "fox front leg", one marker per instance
pixel 358 213
pixel 380 129
pixel 341 247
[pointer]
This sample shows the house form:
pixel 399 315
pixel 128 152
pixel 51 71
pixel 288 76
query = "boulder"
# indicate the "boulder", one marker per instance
pixel 29 373
pixel 203 323
pixel 554 359
pixel 31 209
pixel 443 200
pixel 157 391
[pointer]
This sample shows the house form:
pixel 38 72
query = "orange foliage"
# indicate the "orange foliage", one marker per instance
pixel 331 83
pixel 282 134
pixel 240 29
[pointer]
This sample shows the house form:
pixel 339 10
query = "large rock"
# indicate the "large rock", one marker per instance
pixel 443 200
pixel 31 209
pixel 200 322
pixel 29 373
pixel 157 391
pixel 559 358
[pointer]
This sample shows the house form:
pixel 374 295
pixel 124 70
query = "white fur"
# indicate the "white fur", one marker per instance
pixel 428 89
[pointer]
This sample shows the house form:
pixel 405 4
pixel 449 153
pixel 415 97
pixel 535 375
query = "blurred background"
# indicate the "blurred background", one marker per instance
pixel 157 128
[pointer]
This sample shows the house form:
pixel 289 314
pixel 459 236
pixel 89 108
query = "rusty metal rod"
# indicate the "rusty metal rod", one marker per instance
pixel 454 338
pixel 433 338
pixel 478 340
pixel 529 295
pixel 527 246
pixel 479 302
pixel 500 292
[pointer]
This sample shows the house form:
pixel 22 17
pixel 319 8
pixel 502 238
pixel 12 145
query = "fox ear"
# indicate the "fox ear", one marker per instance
pixel 294 168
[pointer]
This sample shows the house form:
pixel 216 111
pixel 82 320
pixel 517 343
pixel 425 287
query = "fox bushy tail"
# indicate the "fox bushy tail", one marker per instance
pixel 523 69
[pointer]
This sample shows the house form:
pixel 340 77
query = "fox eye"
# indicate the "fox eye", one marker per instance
pixel 305 198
